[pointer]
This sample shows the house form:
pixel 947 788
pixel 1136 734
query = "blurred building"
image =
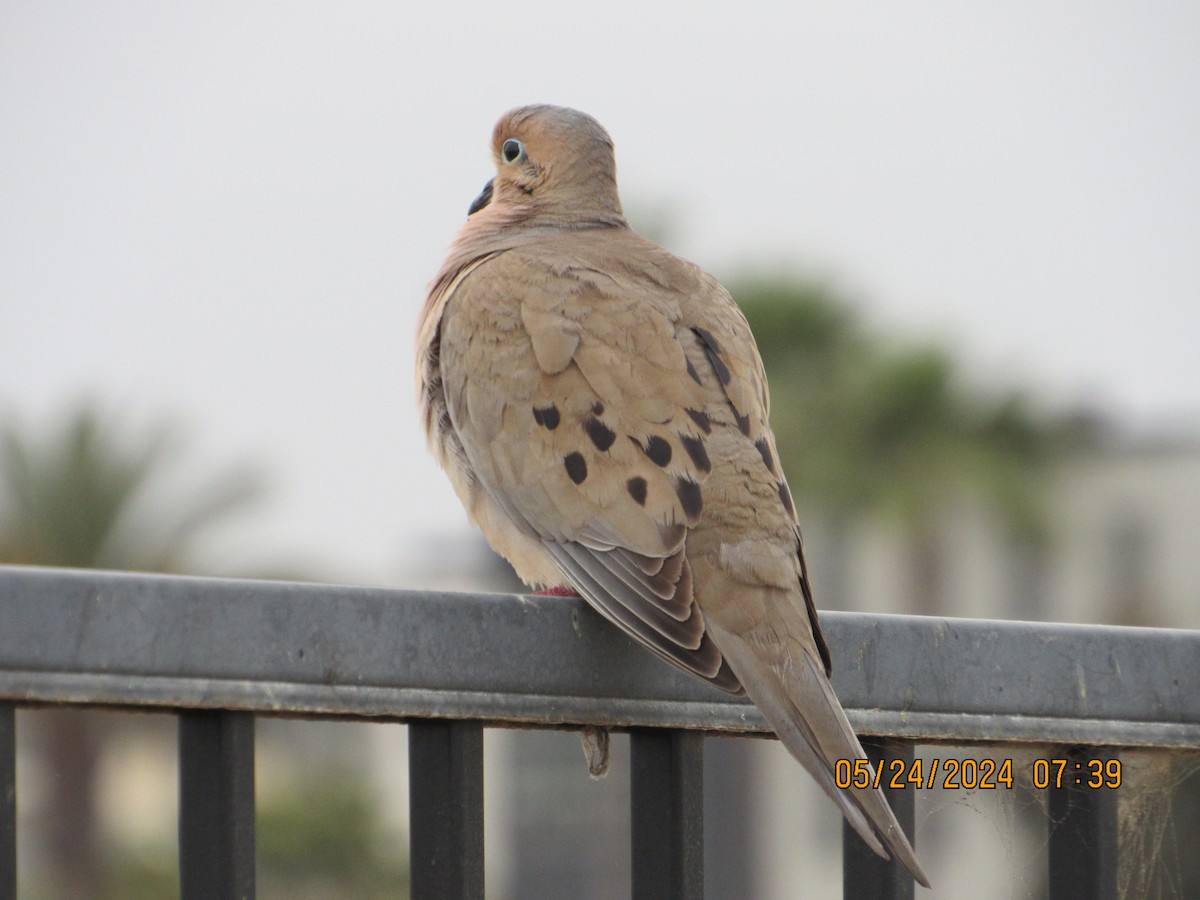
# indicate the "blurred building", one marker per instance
pixel 1126 521
pixel 1121 520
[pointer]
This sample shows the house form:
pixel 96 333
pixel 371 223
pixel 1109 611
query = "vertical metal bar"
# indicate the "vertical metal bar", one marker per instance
pixel 216 805
pixel 730 836
pixel 667 812
pixel 1083 827
pixel 8 802
pixel 864 874
pixel 445 777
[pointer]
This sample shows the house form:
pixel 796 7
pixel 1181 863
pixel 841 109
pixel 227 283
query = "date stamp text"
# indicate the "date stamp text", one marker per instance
pixel 975 774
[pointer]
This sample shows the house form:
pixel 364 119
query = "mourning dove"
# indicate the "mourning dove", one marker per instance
pixel 601 409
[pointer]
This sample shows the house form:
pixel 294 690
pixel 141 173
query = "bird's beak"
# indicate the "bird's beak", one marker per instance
pixel 484 198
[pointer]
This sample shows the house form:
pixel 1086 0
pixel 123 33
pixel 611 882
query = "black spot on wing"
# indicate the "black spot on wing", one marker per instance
pixel 695 449
pixel 786 496
pixel 602 436
pixel 707 336
pixel 637 490
pixel 546 416
pixel 672 534
pixel 597 408
pixel 690 499
pixel 576 466
pixel 743 423
pixel 691 370
pixel 658 450
pixel 764 450
pixel 713 351
pixel 701 420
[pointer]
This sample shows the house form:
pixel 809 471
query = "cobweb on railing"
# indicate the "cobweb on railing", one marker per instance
pixel 1001 830
pixel 1159 829
pixel 1158 822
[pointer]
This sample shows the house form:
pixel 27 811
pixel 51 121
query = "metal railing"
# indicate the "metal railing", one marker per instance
pixel 218 653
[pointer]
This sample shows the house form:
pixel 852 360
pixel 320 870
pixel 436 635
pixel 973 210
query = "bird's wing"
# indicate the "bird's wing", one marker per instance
pixel 576 400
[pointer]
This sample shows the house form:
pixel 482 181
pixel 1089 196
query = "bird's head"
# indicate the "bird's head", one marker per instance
pixel 552 163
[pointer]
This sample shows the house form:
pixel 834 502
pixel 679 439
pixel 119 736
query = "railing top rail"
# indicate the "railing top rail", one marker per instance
pixel 76 636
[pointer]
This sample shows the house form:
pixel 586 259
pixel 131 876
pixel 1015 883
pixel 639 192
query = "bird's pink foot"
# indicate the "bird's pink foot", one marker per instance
pixel 561 591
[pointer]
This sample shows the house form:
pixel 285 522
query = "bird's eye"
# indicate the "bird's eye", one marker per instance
pixel 511 149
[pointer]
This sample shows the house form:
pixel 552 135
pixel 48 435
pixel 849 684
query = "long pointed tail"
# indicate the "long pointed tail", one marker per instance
pixel 799 702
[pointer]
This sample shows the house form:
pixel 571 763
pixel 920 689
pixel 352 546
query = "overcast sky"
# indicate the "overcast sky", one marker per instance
pixel 228 212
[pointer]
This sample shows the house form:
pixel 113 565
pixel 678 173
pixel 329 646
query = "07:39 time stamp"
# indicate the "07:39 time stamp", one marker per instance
pixel 975 774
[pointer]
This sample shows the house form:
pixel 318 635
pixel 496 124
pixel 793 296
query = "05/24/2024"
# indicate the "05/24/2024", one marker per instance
pixel 976 774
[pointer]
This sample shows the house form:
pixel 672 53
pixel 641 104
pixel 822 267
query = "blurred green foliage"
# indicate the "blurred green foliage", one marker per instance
pixel 324 842
pixel 86 493
pixel 141 873
pixel 866 424
pixel 329 841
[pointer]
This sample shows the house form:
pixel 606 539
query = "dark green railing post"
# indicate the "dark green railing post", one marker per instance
pixel 667 812
pixel 216 805
pixel 445 776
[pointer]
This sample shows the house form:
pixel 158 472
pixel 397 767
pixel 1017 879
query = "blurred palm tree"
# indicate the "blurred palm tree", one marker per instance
pixel 866 427
pixel 85 494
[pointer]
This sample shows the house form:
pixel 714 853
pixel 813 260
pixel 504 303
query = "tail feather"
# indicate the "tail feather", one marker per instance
pixel 798 701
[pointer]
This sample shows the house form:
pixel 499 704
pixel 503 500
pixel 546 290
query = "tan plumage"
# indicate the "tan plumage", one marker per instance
pixel 602 411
